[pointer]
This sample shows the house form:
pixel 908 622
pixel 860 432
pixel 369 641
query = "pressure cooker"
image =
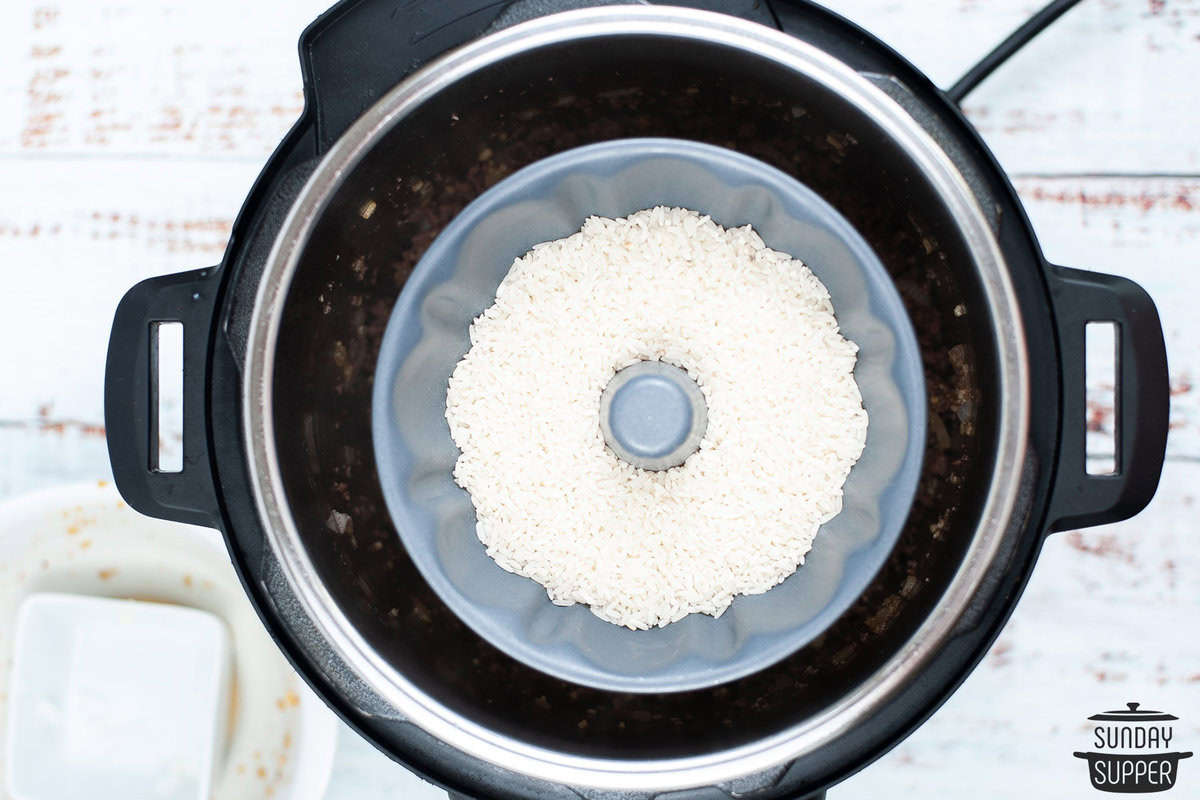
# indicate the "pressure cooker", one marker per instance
pixel 412 110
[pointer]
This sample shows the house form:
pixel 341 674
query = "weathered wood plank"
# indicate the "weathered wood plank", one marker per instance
pixel 1104 90
pixel 41 453
pixel 1094 94
pixel 152 77
pixel 74 235
pixel 1102 623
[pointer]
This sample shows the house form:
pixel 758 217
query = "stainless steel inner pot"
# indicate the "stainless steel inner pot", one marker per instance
pixel 618 57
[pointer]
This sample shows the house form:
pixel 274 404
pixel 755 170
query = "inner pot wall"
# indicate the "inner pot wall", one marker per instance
pixel 443 155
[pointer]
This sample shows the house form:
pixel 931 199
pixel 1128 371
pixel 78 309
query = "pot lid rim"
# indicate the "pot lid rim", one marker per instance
pixel 1133 716
pixel 1133 713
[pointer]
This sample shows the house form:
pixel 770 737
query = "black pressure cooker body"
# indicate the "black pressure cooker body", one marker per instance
pixel 371 174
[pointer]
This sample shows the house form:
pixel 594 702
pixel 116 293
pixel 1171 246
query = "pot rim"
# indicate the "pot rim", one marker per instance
pixel 468 736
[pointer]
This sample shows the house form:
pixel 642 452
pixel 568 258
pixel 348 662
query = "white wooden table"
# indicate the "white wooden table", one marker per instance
pixel 130 131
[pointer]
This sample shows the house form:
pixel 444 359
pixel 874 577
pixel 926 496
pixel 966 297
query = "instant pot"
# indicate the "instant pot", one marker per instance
pixel 412 110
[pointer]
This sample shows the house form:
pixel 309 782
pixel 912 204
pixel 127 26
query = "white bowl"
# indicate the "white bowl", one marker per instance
pixel 84 540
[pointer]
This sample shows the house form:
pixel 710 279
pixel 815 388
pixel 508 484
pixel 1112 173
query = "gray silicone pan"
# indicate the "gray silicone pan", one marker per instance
pixel 428 334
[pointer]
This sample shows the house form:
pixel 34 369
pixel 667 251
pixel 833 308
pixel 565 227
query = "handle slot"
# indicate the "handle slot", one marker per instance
pixel 1100 368
pixel 166 400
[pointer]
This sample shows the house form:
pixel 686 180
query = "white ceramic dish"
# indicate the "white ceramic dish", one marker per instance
pixel 280 739
pixel 111 699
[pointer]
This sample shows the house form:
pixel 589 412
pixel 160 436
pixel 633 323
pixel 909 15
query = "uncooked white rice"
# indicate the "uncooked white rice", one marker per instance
pixel 755 329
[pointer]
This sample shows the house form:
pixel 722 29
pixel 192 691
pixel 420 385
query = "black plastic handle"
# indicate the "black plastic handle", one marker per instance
pixel 1142 399
pixel 130 391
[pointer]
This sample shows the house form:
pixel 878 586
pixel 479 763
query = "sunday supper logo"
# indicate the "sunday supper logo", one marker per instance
pixel 1132 751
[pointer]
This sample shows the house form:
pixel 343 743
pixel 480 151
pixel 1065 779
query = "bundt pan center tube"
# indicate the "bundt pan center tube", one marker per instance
pixel 281 342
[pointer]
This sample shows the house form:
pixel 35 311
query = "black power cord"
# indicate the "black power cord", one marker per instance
pixel 1003 51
